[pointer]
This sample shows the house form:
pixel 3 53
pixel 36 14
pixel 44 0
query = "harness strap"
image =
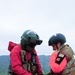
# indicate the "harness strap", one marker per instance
pixel 23 58
pixel 74 61
pixel 30 65
pixel 25 64
pixel 69 70
pixel 69 63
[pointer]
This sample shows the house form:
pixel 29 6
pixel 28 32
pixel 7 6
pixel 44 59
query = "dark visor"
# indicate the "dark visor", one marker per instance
pixel 38 42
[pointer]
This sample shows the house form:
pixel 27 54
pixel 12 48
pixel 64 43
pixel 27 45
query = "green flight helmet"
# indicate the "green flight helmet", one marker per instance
pixel 57 38
pixel 30 39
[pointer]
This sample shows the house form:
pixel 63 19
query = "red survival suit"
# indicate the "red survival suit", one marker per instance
pixel 15 60
pixel 62 62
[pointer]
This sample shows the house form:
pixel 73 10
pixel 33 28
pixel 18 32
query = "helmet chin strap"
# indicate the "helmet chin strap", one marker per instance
pixel 57 46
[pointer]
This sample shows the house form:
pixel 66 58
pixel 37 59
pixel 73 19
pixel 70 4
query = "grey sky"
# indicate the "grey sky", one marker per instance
pixel 45 17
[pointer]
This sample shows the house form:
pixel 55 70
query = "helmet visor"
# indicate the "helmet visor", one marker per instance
pixel 38 42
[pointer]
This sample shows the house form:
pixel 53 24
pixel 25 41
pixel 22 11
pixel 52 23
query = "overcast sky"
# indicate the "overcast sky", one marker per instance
pixel 45 17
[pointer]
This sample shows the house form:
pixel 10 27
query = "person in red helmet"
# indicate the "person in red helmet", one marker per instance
pixel 23 57
pixel 62 59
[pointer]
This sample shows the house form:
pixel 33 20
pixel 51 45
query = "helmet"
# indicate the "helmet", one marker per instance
pixel 30 38
pixel 57 38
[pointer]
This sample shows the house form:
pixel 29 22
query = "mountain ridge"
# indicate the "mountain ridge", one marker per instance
pixel 5 60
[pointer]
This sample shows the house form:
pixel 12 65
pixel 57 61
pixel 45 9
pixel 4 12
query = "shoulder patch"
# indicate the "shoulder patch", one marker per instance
pixel 61 55
pixel 59 58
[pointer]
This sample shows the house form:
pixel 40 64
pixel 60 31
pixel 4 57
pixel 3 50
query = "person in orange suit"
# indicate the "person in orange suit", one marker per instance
pixel 62 59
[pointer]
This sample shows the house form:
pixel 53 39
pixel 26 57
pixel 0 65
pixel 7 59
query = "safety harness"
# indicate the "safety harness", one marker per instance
pixel 30 65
